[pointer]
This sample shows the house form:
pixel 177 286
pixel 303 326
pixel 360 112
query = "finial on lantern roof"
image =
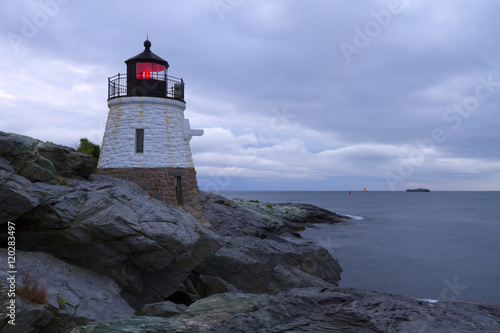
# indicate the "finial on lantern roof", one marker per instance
pixel 147 43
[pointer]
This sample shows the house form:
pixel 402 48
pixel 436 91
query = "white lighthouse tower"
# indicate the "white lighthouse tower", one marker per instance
pixel 147 137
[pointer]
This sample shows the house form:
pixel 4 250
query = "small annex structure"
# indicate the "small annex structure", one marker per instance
pixel 146 139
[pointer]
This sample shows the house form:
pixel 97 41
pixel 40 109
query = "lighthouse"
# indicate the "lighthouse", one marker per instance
pixel 146 139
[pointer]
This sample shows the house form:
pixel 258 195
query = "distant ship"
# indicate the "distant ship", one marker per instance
pixel 418 190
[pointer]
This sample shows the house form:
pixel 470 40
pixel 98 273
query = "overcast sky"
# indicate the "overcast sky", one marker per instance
pixel 292 95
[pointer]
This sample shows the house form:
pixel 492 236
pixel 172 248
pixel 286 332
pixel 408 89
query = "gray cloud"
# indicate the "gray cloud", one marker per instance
pixel 350 121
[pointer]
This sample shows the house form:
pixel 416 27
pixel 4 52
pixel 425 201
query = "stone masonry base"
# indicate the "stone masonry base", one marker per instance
pixel 160 183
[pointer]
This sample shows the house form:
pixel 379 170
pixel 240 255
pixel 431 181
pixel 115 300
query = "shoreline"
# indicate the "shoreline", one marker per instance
pixel 318 309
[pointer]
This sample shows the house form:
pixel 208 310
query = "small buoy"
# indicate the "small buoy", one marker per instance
pixel 349 192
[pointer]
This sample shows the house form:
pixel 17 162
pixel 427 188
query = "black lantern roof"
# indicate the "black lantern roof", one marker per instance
pixel 147 56
pixel 146 76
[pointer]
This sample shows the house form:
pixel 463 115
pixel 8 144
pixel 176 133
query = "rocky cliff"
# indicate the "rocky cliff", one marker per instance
pixel 109 258
pixel 108 228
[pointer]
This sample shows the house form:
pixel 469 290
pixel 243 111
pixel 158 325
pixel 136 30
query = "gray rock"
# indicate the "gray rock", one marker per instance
pixel 316 310
pixel 211 285
pixel 229 218
pixel 5 165
pixel 29 317
pixel 256 258
pixel 345 310
pixel 285 277
pixel 114 228
pixel 162 309
pixel 75 296
pixel 107 225
pixel 67 161
pixel 293 212
pixel 22 152
pixel 40 161
pixel 17 195
pixel 202 316
pixel 262 219
pixel 256 265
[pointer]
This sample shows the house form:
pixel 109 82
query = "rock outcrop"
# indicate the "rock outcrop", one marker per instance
pixel 258 255
pixel 316 310
pixel 41 161
pixel 114 228
pixel 103 224
pixel 238 217
pixel 17 195
pixel 266 266
pixel 75 296
pixel 162 309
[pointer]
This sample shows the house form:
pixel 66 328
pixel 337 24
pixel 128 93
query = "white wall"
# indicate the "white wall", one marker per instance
pixel 165 142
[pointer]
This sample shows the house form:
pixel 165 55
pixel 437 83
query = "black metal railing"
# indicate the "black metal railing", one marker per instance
pixel 161 86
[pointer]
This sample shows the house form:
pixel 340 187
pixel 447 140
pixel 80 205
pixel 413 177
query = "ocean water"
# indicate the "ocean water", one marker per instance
pixel 435 245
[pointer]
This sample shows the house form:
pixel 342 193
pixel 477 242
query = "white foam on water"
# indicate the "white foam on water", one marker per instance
pixel 429 300
pixel 354 217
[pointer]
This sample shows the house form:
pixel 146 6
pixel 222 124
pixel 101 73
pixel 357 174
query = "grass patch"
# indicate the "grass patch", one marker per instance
pixel 34 288
pixel 61 301
pixel 60 180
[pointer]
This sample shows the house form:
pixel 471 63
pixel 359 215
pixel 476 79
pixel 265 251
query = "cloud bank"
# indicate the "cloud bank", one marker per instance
pixel 293 95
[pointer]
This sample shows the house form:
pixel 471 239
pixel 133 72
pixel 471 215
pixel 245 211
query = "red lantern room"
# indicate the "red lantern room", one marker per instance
pixel 146 76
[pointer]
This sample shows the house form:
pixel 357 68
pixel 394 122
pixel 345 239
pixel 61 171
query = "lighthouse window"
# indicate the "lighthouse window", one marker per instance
pixel 139 140
pixel 148 70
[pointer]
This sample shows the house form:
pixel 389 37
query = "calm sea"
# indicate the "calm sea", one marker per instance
pixel 436 245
